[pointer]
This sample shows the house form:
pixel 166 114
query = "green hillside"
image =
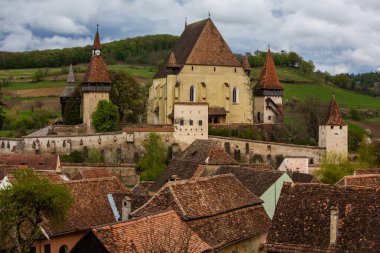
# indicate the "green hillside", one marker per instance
pixel 299 85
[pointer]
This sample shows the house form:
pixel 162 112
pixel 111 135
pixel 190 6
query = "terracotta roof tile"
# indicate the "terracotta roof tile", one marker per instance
pixel 91 206
pixel 245 63
pixel 93 173
pixel 97 44
pixel 333 114
pixel 268 78
pixel 367 171
pixel 37 162
pixel 201 44
pixel 216 110
pixel 97 71
pixel 366 180
pixel 141 235
pixel 172 61
pixel 200 197
pixel 257 181
pixel 301 222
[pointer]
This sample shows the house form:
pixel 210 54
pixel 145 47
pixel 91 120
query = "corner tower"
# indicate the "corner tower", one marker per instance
pixel 333 132
pixel 96 83
pixel 268 94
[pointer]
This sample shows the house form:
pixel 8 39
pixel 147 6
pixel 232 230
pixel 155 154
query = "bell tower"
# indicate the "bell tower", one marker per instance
pixel 96 83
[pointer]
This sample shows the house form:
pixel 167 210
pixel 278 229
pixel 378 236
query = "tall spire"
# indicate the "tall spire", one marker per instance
pixel 185 22
pixel 268 78
pixel 97 44
pixel 71 77
pixel 333 114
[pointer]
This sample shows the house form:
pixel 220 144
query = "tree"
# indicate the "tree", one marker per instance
pixel 38 75
pixel 307 66
pixel 155 159
pixel 294 59
pixel 71 112
pixel 128 95
pixel 105 117
pixel 314 110
pixel 26 205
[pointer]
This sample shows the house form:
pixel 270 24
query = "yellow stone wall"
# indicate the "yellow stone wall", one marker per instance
pixel 90 102
pixel 213 84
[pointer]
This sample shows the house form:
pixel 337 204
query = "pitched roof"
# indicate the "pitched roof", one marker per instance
pixel 200 197
pixel 333 114
pixel 164 230
pixel 367 180
pixel 140 194
pixel 201 44
pixel 298 177
pixel 224 229
pixel 200 150
pixel 96 70
pixel 268 77
pixel 91 206
pixel 216 110
pixel 92 173
pixel 172 61
pixel 257 181
pixel 367 171
pixel 37 162
pixel 70 76
pixel 301 222
pixel 245 63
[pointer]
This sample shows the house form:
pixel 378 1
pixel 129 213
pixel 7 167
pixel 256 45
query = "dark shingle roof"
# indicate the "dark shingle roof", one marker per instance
pixel 301 222
pixel 333 114
pixel 200 197
pixel 298 177
pixel 257 181
pixel 366 180
pixel 201 44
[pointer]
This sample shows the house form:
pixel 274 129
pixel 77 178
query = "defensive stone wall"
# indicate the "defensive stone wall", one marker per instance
pixel 247 151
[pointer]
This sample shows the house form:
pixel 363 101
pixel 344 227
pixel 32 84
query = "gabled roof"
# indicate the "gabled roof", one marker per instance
pixel 92 173
pixel 97 70
pixel 201 44
pixel 367 171
pixel 257 181
pixel 200 197
pixel 301 222
pixel 333 114
pixel 366 180
pixel 163 232
pixel 37 162
pixel 172 61
pixel 268 78
pixel 298 177
pixel 200 150
pixel 70 76
pixel 245 63
pixel 91 206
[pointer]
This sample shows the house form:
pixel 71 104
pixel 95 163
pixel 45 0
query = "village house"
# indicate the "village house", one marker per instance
pixel 325 219
pixel 96 202
pixel 266 184
pixel 268 94
pixel 219 209
pixel 202 157
pixel 202 68
pixel 45 162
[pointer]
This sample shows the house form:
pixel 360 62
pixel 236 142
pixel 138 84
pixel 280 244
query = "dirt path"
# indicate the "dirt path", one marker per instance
pixel 374 127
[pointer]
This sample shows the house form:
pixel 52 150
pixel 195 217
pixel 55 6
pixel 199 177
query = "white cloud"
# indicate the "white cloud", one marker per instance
pixel 338 35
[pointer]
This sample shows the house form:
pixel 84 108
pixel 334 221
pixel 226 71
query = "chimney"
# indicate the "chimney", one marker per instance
pixel 126 208
pixel 334 216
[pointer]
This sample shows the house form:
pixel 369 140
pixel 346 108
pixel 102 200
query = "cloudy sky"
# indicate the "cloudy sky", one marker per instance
pixel 338 35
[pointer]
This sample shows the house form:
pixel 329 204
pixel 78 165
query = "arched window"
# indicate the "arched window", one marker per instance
pixel 64 249
pixel 192 93
pixel 235 95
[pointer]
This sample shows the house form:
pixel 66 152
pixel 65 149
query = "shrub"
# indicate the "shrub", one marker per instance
pixel 106 117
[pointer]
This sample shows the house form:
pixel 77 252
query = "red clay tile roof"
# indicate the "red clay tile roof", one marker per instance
pixel 201 44
pixel 268 78
pixel 140 194
pixel 97 44
pixel 257 181
pixel 227 228
pixel 200 197
pixel 301 222
pixel 333 114
pixel 367 171
pixel 245 63
pixel 92 173
pixel 172 61
pixel 257 166
pixel 37 162
pixel 217 110
pixel 366 180
pixel 141 235
pixel 91 206
pixel 97 71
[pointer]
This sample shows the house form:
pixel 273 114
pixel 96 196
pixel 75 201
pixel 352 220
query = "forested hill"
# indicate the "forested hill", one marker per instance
pixel 150 50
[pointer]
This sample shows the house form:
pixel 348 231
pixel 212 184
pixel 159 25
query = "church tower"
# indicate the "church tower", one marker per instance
pixel 96 83
pixel 69 89
pixel 268 94
pixel 333 131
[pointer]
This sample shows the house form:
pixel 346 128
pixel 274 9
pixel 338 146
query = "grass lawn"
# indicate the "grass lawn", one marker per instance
pixel 288 74
pixel 372 120
pixel 145 72
pixel 6 133
pixel 344 98
pixel 34 85
pixel 24 73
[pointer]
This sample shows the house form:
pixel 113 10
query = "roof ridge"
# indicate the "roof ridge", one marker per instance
pixel 177 201
pixel 268 78
pixel 333 116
